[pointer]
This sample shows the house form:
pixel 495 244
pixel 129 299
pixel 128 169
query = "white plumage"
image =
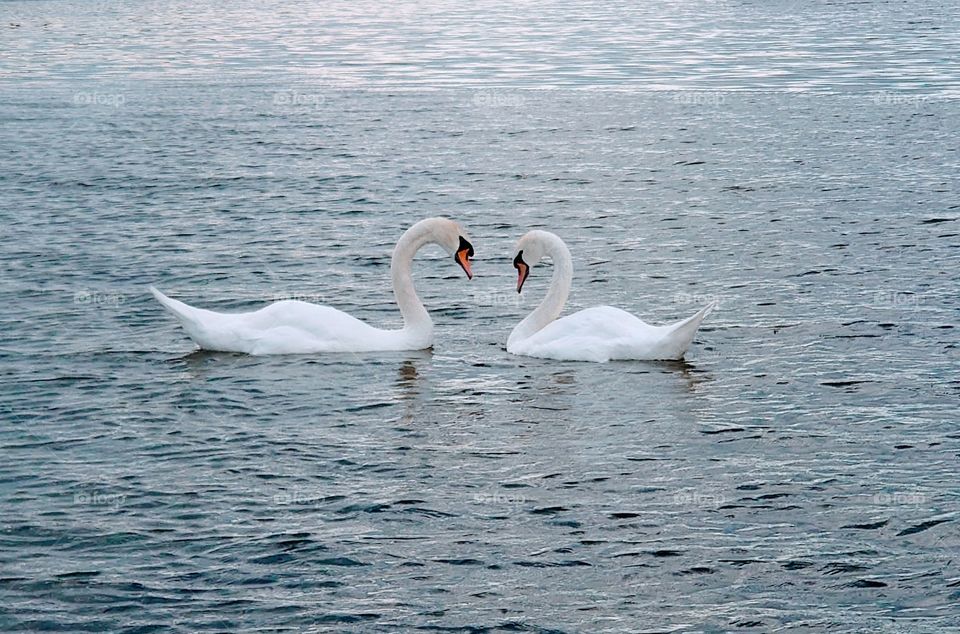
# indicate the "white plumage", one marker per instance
pixel 601 333
pixel 295 327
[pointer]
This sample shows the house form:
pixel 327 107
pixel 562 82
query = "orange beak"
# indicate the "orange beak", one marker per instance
pixel 523 270
pixel 464 253
pixel 464 261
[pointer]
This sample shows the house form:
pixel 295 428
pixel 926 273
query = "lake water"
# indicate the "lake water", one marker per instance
pixel 795 161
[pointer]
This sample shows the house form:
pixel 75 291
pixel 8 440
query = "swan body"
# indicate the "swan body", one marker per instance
pixel 601 333
pixel 295 327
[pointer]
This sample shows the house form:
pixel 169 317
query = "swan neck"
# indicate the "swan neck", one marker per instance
pixel 415 316
pixel 552 304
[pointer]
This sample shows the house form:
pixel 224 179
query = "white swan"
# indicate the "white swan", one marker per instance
pixel 292 327
pixel 600 333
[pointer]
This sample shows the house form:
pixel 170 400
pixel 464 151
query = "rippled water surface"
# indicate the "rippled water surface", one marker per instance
pixel 795 161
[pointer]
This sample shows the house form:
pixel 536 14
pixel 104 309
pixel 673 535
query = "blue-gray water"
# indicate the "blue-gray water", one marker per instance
pixel 796 161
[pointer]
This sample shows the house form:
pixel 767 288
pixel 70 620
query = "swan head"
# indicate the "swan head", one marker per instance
pixel 454 240
pixel 529 251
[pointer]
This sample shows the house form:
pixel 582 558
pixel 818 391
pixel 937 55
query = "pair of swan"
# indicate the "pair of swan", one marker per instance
pixel 599 334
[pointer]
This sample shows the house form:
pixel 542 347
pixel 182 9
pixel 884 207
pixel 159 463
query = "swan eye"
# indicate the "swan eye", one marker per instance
pixel 465 245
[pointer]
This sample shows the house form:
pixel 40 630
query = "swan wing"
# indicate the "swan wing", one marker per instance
pixel 286 327
pixel 603 333
pixel 587 335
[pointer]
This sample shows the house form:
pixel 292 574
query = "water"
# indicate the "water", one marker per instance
pixel 796 162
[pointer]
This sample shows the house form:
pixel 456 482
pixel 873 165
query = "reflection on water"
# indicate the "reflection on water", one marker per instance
pixel 199 363
pixel 337 45
pixel 407 380
pixel 692 375
pixel 410 386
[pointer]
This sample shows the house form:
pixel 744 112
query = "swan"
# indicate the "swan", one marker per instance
pixel 601 333
pixel 295 327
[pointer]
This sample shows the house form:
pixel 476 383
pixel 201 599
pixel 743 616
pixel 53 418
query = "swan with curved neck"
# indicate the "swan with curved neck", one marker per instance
pixel 295 327
pixel 601 333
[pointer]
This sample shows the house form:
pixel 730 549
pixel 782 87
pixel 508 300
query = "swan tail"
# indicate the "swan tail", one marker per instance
pixel 681 334
pixel 189 317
